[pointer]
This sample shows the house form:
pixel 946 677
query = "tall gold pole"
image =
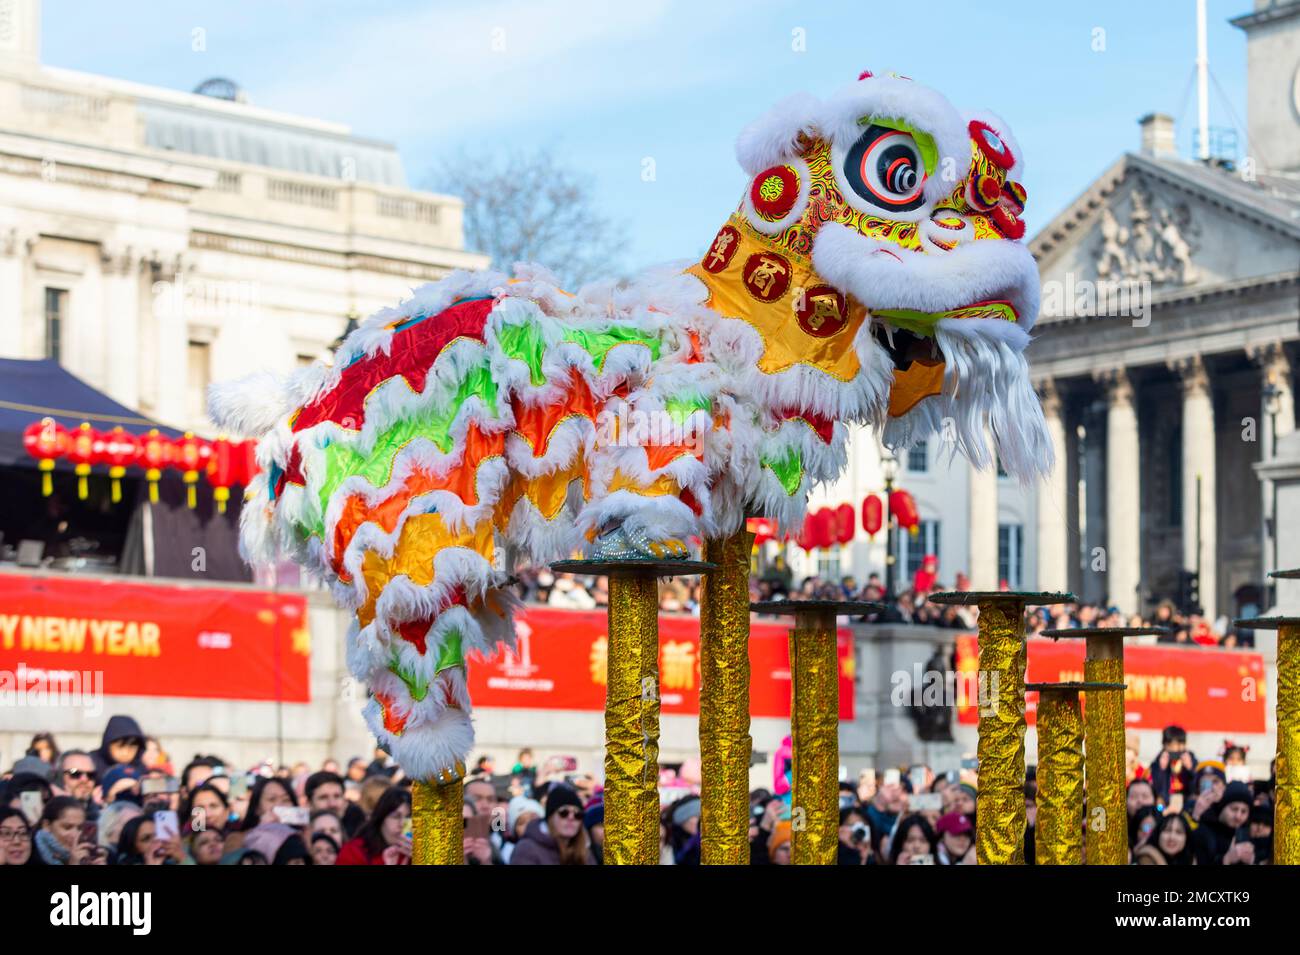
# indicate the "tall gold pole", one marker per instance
pixel 1000 821
pixel 632 723
pixel 1286 805
pixel 725 743
pixel 1286 817
pixel 814 731
pixel 437 823
pixel 815 722
pixel 1058 837
pixel 1103 732
pixel 632 701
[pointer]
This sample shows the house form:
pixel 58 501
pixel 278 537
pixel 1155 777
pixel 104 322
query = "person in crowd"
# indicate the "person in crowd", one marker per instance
pixel 960 799
pixel 112 820
pixel 854 838
pixel 324 849
pixel 764 823
pixel 206 807
pixel 519 813
pixel 120 782
pixel 1142 826
pixel 58 835
pixel 382 839
pixel 1173 770
pixel 324 822
pixel 278 843
pixel 1261 833
pixel 15 838
pixel 1138 795
pixel 121 745
pixel 139 844
pixel 203 847
pixel 594 822
pixel 912 843
pixel 200 770
pixel 1170 843
pixel 886 806
pixel 1216 840
pixel 779 844
pixel 558 839
pixel 956 844
pixel 683 819
pixel 324 790
pixel 44 748
pixel 269 794
pixel 372 788
pixel 524 765
pixel 76 778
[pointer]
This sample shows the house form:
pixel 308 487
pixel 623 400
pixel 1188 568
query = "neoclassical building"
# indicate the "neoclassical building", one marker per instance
pixel 1167 349
pixel 154 241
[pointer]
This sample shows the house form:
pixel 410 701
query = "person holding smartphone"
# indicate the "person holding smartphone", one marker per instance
pixel 58 838
pixel 1222 837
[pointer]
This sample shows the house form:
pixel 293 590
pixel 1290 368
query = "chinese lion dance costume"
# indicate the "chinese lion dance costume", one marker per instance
pixel 870 275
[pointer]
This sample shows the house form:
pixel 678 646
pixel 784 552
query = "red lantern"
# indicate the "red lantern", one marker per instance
pixel 763 529
pixel 46 440
pixel 223 470
pixel 806 538
pixel 248 462
pixel 121 449
pixel 187 454
pixel 824 527
pixel 844 524
pixel 902 507
pixel 82 452
pixel 873 514
pixel 155 454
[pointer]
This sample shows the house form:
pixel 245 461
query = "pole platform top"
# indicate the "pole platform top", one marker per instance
pixel 1029 598
pixel 1103 632
pixel 1075 687
pixel 849 608
pixel 634 568
pixel 1266 623
pixel 1292 574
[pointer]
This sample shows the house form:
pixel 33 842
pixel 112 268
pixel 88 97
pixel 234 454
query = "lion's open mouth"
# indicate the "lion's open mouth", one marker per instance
pixel 908 334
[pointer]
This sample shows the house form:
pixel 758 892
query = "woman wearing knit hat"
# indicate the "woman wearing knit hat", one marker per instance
pixel 778 843
pixel 520 811
pixel 560 838
pixel 1215 841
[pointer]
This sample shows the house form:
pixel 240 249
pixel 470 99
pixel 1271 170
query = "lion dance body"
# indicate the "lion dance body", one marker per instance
pixel 871 275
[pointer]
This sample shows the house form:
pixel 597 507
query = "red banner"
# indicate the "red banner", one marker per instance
pixel 561 656
pixel 1199 689
pixel 151 639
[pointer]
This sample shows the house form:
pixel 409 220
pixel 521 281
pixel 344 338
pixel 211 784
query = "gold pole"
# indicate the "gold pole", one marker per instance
pixel 1104 759
pixel 725 743
pixel 632 722
pixel 1286 817
pixel 437 823
pixel 814 729
pixel 1000 821
pixel 1059 833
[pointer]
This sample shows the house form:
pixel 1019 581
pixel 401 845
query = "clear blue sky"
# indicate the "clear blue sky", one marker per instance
pixel 607 84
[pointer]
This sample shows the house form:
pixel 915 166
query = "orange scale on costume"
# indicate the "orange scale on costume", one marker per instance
pixel 535 424
pixel 422 538
pixel 461 480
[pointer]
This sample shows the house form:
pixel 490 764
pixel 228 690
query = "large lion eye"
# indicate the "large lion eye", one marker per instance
pixel 885 167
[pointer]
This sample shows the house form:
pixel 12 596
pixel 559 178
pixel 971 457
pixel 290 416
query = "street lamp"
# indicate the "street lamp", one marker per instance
pixel 889 468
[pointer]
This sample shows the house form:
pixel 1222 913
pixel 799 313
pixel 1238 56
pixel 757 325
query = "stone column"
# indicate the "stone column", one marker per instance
pixel 1199 470
pixel 1053 500
pixel 14 246
pixel 982 546
pixel 1275 371
pixel 121 268
pixel 1123 493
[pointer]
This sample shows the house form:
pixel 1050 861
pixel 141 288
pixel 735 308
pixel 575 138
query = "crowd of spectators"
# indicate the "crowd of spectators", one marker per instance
pixel 127 803
pixel 682 595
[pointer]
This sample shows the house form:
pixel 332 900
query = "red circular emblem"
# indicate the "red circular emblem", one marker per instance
pixel 722 250
pixel 767 276
pixel 774 192
pixel 821 311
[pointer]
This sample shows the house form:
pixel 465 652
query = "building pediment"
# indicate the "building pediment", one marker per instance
pixel 1156 228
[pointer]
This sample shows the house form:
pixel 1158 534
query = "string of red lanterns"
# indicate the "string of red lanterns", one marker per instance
pixel 829 527
pixel 223 462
